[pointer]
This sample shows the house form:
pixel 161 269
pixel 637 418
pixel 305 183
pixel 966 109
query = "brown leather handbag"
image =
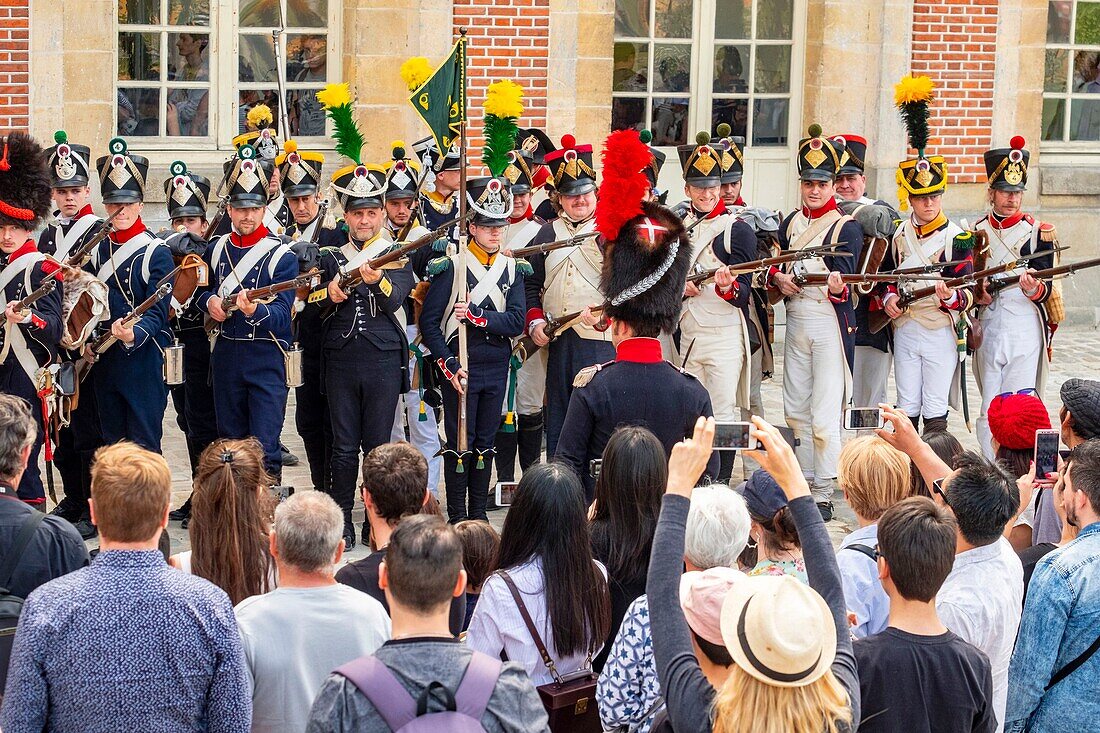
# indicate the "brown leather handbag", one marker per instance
pixel 570 700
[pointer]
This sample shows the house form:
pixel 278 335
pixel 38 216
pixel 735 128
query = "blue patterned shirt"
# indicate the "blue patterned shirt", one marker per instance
pixel 127 644
pixel 628 687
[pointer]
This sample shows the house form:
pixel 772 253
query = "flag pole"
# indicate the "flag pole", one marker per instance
pixel 460 261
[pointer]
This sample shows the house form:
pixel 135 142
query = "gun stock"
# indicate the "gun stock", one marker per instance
pixel 527 346
pixel 354 279
pixel 536 249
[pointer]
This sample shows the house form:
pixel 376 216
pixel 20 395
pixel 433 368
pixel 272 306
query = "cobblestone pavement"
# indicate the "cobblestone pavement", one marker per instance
pixel 1076 354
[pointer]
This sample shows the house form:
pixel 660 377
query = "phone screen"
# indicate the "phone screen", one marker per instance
pixel 733 436
pixel 863 418
pixel 505 491
pixel 1046 453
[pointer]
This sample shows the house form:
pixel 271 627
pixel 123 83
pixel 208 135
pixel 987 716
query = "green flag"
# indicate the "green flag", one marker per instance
pixel 441 100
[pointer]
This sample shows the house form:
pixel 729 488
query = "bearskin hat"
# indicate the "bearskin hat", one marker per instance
pixel 24 182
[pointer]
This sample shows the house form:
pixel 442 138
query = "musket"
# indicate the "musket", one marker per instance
pixel 322 212
pixel 996 285
pixel 818 279
pixel 925 269
pixel 553 326
pixel 877 320
pixel 743 268
pixel 45 288
pixel 536 249
pixel 353 279
pixel 218 215
pixel 262 295
pixel 80 256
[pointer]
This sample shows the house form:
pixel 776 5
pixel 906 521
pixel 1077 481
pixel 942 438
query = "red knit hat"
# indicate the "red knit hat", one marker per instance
pixel 1014 418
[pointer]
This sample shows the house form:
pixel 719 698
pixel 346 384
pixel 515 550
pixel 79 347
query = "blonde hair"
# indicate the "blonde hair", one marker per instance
pixel 131 491
pixel 874 475
pixel 746 703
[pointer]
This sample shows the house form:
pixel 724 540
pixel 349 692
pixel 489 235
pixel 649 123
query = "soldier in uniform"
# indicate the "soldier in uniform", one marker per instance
pixel 490 306
pixel 439 204
pixel 74 224
pixel 300 178
pixel 566 281
pixel 261 137
pixel 817 351
pixel 30 334
pixel 714 340
pixel 648 256
pixel 128 379
pixel 247 360
pixel 1014 319
pixel 364 359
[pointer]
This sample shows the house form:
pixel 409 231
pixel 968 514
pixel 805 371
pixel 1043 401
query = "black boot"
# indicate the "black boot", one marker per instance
pixel 479 486
pixel 505 458
pixel 349 531
pixel 935 425
pixel 456 483
pixel 726 460
pixel 530 439
pixel 184 512
pixel 342 492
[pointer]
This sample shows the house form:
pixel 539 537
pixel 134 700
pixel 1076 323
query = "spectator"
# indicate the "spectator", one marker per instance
pixel 628 499
pixel 873 477
pixel 793 667
pixel 702 594
pixel 947 447
pixel 1080 413
pixel 230 520
pixel 917 675
pixel 544 547
pixel 422 575
pixel 981 598
pixel 294 636
pixel 773 531
pixel 395 486
pixel 480 547
pixel 1013 420
pixel 1031 556
pixel 55 548
pixel 1055 669
pixel 628 691
pixel 127 643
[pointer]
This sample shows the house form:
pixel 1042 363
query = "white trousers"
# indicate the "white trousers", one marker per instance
pixel 756 405
pixel 423 434
pixel 813 390
pixel 870 375
pixel 716 357
pixel 924 367
pixel 1008 361
pixel 530 384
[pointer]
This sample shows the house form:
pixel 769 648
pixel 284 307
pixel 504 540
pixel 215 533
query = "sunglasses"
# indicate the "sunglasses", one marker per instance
pixel 937 488
pixel 1024 391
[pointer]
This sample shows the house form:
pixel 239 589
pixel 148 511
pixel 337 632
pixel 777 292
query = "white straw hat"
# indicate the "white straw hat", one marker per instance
pixel 778 630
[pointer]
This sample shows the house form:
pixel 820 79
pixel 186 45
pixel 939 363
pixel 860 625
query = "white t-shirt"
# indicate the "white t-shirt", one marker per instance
pixel 294 637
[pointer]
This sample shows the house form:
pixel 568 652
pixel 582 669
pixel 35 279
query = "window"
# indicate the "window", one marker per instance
pixel 743 49
pixel 170 75
pixel 1071 83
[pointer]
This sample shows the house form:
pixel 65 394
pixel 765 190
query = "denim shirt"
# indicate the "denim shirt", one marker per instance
pixel 862 589
pixel 1061 619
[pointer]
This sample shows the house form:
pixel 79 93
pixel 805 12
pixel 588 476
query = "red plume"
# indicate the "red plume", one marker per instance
pixel 624 184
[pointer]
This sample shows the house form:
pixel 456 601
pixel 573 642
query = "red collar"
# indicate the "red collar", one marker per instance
pixel 125 235
pixel 714 213
pixel 523 217
pixel 85 211
pixel 812 214
pixel 1007 222
pixel 639 349
pixel 27 248
pixel 740 201
pixel 251 239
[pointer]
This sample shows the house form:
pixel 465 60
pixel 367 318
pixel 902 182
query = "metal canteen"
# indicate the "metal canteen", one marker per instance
pixel 292 358
pixel 173 364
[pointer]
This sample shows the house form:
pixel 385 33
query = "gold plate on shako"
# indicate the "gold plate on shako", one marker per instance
pixel 815 157
pixel 119 175
pixel 704 164
pixel 1014 174
pixel 924 175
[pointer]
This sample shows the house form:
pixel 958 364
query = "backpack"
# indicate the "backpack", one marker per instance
pixel 12 605
pixel 402 712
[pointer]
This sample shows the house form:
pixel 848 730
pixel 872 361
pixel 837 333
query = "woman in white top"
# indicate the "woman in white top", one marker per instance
pixel 544 548
pixel 231 514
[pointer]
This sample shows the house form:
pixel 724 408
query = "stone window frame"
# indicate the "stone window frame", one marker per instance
pixel 1058 105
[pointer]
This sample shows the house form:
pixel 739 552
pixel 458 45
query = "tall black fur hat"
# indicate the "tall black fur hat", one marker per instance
pixel 24 182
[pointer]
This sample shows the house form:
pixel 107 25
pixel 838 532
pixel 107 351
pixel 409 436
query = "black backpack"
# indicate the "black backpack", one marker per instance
pixel 11 605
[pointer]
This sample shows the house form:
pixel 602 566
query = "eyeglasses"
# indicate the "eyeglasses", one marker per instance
pixel 937 488
pixel 1024 391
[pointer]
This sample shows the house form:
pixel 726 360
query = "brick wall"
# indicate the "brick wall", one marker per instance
pixel 14 65
pixel 517 50
pixel 955 43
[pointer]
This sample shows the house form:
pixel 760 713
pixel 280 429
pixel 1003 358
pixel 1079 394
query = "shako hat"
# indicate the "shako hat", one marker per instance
pixel 122 174
pixel 299 170
pixel 68 163
pixel 185 193
pixel 1006 168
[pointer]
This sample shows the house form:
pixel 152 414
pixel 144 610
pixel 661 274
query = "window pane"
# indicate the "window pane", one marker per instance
pixel 632 18
pixel 631 67
pixel 307 58
pixel 187 112
pixel 1054 77
pixel 627 113
pixel 1054 111
pixel 671 68
pixel 733 19
pixel 189 12
pixel 307 116
pixel 249 98
pixel 773 69
pixel 669 124
pixel 734 112
pixel 731 66
pixel 138 112
pixel 139 56
pixel 1085 65
pixel 769 122
pixel 139 11
pixel 257 58
pixel 188 57
pixel 1084 119
pixel 259 13
pixel 1058 15
pixel 1088 23
pixel 673 18
pixel 307 13
pixel 774 19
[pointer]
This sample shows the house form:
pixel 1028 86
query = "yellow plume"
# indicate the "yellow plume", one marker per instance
pixel 504 99
pixel 415 72
pixel 912 89
pixel 259 116
pixel 334 95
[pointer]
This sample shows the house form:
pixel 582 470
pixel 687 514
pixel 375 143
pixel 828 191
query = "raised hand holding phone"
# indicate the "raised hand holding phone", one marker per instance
pixel 689 458
pixel 778 459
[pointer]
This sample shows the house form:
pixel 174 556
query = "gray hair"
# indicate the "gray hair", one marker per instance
pixel 18 431
pixel 308 527
pixel 717 527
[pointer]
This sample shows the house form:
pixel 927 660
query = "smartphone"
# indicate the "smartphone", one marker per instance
pixel 863 418
pixel 734 436
pixel 505 491
pixel 1046 453
pixel 594 467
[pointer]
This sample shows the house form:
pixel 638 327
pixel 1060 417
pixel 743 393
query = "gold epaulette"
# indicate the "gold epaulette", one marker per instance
pixel 1047 232
pixel 584 376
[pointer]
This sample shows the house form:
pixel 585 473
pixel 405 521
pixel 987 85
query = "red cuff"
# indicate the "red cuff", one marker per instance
pixel 769 279
pixel 729 294
pixel 479 321
pixel 535 314
pixel 603 324
pixel 842 298
pixel 1039 293
pixel 443 368
pixel 37 322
